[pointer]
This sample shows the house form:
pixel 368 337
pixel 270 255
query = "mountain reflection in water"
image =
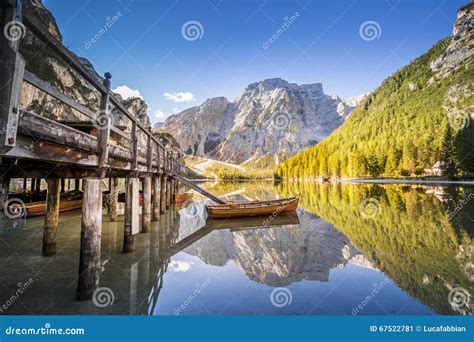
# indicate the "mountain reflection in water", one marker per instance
pixel 414 249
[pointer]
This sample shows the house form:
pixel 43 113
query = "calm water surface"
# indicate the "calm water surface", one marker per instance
pixel 352 249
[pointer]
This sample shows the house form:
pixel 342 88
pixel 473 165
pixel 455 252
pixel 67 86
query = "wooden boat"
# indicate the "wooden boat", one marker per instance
pixel 38 208
pixel 179 198
pixel 254 208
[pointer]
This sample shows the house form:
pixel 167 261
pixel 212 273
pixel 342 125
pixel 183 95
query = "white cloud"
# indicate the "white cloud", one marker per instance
pixel 127 92
pixel 179 265
pixel 159 114
pixel 180 96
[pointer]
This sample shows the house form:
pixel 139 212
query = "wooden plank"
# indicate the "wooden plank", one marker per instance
pixel 54 92
pixel 187 182
pixel 51 218
pixel 91 231
pixel 30 148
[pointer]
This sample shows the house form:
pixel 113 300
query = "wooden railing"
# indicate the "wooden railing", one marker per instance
pixel 14 121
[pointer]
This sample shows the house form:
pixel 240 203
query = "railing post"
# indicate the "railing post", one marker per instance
pixel 104 121
pixel 149 153
pixel 134 146
pixel 12 67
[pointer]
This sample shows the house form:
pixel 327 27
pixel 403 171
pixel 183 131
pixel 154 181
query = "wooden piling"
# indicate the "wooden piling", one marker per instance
pixel 113 205
pixel 168 193
pixel 156 198
pixel 4 193
pixel 146 205
pixel 91 232
pixel 131 219
pixel 63 185
pixel 51 218
pixel 163 194
pixel 76 185
pixel 32 185
pixel 38 187
pixel 25 181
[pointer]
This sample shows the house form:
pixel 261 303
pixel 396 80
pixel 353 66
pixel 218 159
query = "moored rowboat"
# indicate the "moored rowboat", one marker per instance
pixel 178 198
pixel 39 208
pixel 254 208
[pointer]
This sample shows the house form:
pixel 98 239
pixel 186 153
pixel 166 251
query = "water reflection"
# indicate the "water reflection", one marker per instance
pixel 329 257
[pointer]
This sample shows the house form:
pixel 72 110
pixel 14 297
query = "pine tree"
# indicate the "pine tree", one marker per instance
pixel 448 153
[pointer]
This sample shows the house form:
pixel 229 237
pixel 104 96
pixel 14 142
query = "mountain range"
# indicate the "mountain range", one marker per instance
pixel 272 119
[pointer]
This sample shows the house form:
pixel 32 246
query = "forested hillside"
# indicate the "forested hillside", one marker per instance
pixel 421 114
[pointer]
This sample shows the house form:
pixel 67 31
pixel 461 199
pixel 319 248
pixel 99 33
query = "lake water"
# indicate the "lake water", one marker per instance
pixel 351 250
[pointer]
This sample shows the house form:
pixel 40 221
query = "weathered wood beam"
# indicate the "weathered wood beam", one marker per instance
pixel 131 219
pixel 12 67
pixel 113 208
pixel 168 192
pixel 51 218
pixel 104 120
pixel 164 180
pixel 91 232
pixel 156 198
pixel 134 146
pixel 5 184
pixel 146 205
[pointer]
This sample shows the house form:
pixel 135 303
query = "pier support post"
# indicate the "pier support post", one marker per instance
pixel 156 198
pixel 51 217
pixel 4 191
pixel 91 232
pixel 32 185
pixel 146 205
pixel 63 185
pixel 168 193
pixel 163 193
pixel 131 219
pixel 76 185
pixel 38 187
pixel 113 208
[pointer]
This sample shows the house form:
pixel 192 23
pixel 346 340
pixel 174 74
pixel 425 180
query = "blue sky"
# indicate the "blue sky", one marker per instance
pixel 146 49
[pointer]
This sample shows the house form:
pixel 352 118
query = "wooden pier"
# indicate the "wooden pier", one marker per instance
pixel 89 152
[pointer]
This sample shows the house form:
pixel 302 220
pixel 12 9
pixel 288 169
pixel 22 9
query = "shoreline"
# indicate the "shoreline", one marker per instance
pixel 351 180
pixel 403 181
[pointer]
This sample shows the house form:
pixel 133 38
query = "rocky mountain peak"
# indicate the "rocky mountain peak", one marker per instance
pixel 262 121
pixel 460 47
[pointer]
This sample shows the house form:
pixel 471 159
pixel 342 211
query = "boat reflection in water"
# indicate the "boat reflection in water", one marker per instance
pixel 326 258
